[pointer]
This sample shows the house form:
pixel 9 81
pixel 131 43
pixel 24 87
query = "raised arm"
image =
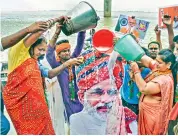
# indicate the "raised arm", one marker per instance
pixel 48 24
pixel 158 35
pixel 32 38
pixel 145 88
pixel 13 39
pixel 167 21
pixel 80 44
pixel 148 62
pixel 61 21
pixel 50 55
pixel 54 38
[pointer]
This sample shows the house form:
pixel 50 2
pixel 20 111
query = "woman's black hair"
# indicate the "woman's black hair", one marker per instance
pixel 39 41
pixel 168 56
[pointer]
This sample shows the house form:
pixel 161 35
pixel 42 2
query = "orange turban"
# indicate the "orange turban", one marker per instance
pixel 60 48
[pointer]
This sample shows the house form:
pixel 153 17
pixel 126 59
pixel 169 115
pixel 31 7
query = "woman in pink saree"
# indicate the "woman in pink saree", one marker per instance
pixel 157 91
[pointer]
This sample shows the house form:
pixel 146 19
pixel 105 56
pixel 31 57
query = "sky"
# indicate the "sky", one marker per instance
pixel 28 5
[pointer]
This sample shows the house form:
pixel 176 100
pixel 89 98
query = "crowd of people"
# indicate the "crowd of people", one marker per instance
pixel 140 98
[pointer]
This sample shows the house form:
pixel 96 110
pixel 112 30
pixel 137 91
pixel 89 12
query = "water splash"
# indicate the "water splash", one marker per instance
pixel 111 64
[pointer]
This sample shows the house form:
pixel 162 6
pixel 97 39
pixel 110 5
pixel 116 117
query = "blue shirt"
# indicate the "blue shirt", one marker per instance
pixel 125 89
pixel 44 70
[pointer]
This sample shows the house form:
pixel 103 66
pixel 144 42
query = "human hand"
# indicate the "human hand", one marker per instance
pixel 37 26
pixel 131 74
pixel 115 39
pixel 74 61
pixel 63 19
pixel 134 67
pixel 157 31
pixel 167 20
pixel 81 59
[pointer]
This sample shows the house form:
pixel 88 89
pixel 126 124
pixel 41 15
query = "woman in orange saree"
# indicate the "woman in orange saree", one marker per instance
pixel 25 101
pixel 157 93
pixel 24 93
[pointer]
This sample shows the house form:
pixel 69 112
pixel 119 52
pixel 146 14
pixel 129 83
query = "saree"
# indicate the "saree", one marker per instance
pixel 154 117
pixel 173 121
pixel 25 100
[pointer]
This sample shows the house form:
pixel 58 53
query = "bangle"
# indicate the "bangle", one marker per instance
pixel 50 22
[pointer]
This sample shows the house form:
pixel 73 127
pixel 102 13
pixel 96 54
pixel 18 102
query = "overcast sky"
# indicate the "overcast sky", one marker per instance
pixel 26 5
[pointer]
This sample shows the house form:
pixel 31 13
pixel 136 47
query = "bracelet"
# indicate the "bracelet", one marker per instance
pixel 56 35
pixel 51 22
